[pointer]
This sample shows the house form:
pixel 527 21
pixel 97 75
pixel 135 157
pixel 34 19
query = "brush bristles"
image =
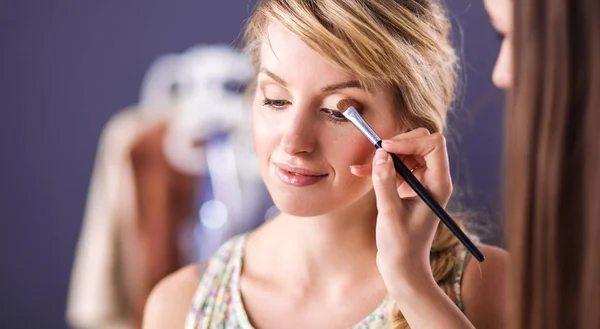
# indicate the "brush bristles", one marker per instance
pixel 344 104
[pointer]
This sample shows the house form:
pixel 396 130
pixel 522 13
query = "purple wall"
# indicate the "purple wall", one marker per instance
pixel 67 66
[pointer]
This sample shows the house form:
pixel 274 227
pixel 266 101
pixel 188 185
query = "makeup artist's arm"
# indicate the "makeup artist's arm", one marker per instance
pixel 405 232
pixel 425 305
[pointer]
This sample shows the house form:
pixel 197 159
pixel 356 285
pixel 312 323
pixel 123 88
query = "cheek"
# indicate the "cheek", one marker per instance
pixel 262 134
pixel 350 148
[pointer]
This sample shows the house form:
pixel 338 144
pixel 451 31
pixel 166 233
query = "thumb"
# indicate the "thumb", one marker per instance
pixel 384 182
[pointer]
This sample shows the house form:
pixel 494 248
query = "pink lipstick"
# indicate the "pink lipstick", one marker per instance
pixel 297 176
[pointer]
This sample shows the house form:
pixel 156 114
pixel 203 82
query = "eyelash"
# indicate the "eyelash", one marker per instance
pixel 278 105
pixel 272 103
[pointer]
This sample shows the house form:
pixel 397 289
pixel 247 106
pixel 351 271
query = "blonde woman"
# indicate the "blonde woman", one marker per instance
pixel 353 247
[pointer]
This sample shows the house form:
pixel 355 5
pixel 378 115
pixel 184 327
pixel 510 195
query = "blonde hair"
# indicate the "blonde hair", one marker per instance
pixel 383 43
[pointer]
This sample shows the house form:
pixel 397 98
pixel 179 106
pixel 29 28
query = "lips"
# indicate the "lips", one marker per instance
pixel 297 176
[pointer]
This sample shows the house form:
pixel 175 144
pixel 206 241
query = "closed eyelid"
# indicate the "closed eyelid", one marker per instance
pixel 268 83
pixel 273 90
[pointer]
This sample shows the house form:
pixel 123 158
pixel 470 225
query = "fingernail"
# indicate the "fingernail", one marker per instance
pixel 381 156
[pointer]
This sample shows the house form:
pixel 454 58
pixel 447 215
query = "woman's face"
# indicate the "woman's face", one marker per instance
pixel 500 14
pixel 305 147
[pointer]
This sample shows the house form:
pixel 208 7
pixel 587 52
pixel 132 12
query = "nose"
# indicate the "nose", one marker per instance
pixel 502 75
pixel 299 133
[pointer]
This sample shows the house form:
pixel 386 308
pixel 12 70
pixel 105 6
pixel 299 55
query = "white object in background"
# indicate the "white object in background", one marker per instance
pixel 209 99
pixel 159 82
pixel 207 102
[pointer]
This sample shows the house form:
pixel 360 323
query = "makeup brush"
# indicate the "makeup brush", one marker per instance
pixel 348 109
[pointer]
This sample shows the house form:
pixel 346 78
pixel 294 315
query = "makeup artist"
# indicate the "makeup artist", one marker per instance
pixel 353 247
pixel 552 159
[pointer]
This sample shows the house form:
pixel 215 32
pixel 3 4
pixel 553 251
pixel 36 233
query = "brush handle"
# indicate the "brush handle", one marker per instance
pixel 422 192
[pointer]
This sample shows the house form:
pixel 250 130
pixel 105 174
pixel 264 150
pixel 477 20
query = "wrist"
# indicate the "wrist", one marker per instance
pixel 412 284
pixel 425 305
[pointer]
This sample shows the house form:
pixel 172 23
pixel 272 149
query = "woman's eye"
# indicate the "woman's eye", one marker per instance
pixel 335 115
pixel 275 103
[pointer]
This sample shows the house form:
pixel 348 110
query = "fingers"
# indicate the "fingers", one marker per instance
pixel 419 132
pixel 434 171
pixel 404 190
pixel 410 162
pixel 431 148
pixel 361 170
pixel 425 155
pixel 384 183
pixel 366 169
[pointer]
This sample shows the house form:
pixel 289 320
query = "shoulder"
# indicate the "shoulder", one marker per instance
pixel 485 288
pixel 173 297
pixel 169 302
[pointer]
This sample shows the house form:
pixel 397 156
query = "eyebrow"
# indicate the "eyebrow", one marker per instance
pixel 329 88
pixel 343 85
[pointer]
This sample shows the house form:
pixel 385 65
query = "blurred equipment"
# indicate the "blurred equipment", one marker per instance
pixel 174 177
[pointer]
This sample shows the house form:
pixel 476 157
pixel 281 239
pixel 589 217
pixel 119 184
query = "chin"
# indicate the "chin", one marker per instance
pixel 301 202
pixel 315 201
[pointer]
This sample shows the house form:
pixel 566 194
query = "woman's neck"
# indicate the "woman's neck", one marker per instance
pixel 334 248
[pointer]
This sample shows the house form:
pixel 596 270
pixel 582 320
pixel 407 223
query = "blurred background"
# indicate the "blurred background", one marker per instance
pixel 68 67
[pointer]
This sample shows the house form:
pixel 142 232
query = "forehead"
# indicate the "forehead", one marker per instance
pixel 285 54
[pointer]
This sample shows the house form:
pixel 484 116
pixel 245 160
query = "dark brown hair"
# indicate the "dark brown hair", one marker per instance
pixel 553 165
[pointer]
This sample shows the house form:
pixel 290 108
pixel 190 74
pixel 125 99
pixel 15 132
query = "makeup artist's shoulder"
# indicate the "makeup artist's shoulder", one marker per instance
pixel 169 302
pixel 485 289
